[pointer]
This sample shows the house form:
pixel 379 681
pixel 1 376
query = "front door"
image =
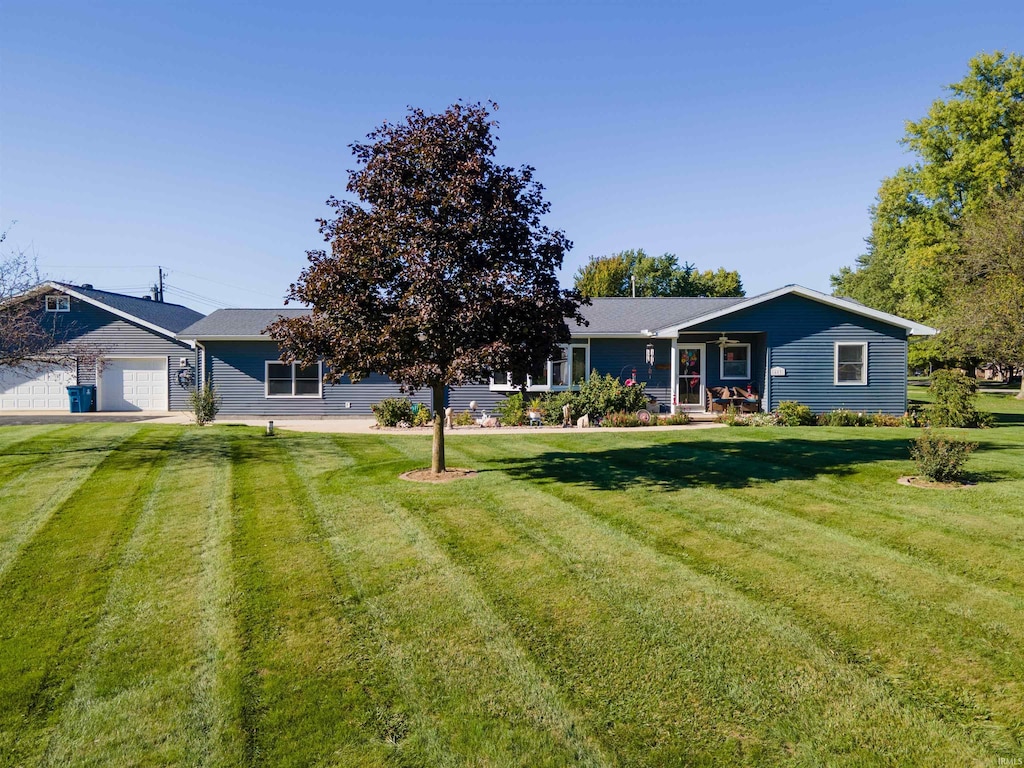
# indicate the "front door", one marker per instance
pixel 690 385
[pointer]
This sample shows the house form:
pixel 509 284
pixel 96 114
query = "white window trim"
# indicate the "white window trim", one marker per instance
pixel 721 362
pixel 508 386
pixel 293 396
pixel 60 303
pixel 864 367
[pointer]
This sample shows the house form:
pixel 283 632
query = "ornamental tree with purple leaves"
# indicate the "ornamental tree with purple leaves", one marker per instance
pixel 439 271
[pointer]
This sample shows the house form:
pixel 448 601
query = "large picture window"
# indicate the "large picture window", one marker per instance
pixel 851 363
pixel 735 361
pixel 294 380
pixel 566 370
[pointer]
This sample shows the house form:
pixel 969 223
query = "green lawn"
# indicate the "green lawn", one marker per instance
pixel 182 596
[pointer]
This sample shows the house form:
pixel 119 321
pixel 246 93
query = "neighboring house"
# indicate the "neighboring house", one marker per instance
pixel 135 355
pixel 788 344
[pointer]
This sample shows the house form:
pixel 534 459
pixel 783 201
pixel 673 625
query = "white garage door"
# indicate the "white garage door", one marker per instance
pixel 24 389
pixel 133 384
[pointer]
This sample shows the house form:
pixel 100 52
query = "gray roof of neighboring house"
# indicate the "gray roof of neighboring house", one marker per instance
pixel 237 323
pixel 170 317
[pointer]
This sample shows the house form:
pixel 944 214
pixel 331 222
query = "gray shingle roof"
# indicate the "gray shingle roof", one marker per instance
pixel 237 323
pixel 628 315
pixel 606 316
pixel 170 317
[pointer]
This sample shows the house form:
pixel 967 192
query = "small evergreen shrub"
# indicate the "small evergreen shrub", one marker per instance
pixel 955 393
pixel 621 419
pixel 392 410
pixel 793 414
pixel 511 411
pixel 205 403
pixel 941 458
pixel 843 418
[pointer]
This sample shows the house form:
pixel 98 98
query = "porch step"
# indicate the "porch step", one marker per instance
pixel 702 416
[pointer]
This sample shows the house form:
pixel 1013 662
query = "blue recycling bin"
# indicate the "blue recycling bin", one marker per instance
pixel 82 399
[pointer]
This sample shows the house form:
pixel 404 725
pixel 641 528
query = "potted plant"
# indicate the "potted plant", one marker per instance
pixel 535 409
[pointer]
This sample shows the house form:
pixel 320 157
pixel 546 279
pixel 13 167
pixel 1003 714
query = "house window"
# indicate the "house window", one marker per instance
pixel 851 362
pixel 293 380
pixel 58 304
pixel 567 370
pixel 736 361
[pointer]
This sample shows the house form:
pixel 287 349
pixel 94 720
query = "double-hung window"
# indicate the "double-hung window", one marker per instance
pixel 735 361
pixel 58 303
pixel 851 363
pixel 293 380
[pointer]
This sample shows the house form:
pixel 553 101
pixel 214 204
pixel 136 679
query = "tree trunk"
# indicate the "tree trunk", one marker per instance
pixel 1020 395
pixel 437 453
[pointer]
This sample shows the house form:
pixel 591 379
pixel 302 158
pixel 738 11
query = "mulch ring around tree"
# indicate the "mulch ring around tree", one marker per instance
pixel 426 476
pixel 924 482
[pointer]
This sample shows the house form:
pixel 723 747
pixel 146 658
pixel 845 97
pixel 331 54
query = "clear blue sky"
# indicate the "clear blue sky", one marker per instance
pixel 204 137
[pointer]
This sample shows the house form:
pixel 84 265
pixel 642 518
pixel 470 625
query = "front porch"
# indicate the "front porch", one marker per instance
pixel 713 370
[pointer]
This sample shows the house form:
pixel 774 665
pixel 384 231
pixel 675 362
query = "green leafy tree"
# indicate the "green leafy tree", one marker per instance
pixel 967 148
pixel 620 274
pixel 440 272
pixel 984 318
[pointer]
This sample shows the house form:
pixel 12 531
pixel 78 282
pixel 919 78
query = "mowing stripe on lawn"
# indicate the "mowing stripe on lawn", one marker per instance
pixel 892 605
pixel 11 436
pixel 473 696
pixel 52 597
pixel 24 455
pixel 29 500
pixel 310 695
pixel 742 682
pixel 136 697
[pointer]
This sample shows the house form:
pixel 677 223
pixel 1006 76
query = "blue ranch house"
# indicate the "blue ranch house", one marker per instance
pixel 793 343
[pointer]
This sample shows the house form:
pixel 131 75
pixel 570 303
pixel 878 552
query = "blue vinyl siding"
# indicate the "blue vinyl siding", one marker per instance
pixel 800 336
pixel 620 356
pixel 237 369
pixel 459 398
pixel 113 336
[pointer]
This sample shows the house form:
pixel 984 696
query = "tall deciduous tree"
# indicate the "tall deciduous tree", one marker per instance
pixel 985 316
pixel 620 274
pixel 967 148
pixel 441 270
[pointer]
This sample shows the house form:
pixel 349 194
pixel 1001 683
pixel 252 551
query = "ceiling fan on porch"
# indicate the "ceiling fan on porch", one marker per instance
pixel 724 341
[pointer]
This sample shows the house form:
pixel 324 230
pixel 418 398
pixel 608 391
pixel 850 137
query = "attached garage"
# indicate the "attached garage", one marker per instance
pixel 32 389
pixel 132 384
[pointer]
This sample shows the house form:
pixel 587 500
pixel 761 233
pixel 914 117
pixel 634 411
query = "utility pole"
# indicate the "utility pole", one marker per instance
pixel 160 289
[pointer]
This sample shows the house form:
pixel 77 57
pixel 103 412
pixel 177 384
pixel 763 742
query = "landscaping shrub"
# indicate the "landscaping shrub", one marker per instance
pixel 671 420
pixel 843 418
pixel 886 420
pixel 205 403
pixel 603 395
pixel 463 419
pixel 392 410
pixel 553 403
pixel 511 411
pixel 732 417
pixel 793 414
pixel 939 457
pixel 621 419
pixel 955 393
pixel 421 416
pixel 760 419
